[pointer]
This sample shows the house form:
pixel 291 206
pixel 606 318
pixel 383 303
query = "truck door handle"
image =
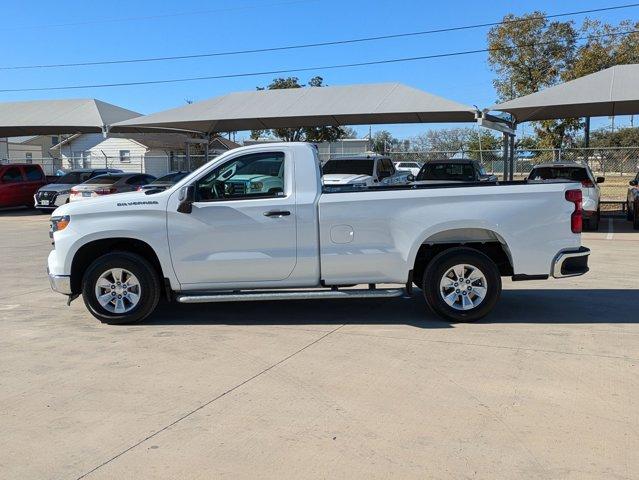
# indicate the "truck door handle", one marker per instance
pixel 277 213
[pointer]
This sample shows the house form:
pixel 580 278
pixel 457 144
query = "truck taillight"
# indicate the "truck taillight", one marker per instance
pixel 576 219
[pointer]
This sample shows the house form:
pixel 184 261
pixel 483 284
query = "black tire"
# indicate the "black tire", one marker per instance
pixel 635 216
pixel 441 264
pixel 628 212
pixel 147 276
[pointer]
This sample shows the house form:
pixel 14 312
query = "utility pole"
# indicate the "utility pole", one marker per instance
pixel 587 133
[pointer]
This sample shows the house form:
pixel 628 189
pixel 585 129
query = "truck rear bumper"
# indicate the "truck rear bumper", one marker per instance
pixel 571 263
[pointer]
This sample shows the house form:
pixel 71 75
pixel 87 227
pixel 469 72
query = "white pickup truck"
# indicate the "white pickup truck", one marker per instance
pixel 203 241
pixel 363 171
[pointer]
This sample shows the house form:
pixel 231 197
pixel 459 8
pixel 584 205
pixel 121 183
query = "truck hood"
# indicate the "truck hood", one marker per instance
pixel 345 178
pixel 56 187
pixel 110 203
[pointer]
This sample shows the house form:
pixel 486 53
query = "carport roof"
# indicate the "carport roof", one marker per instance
pixel 52 117
pixel 307 107
pixel 613 91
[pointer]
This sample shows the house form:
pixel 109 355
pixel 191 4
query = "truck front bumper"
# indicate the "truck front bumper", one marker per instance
pixel 571 263
pixel 60 283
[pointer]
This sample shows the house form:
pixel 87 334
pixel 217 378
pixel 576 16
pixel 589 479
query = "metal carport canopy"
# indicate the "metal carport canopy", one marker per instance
pixel 613 91
pixel 364 104
pixel 52 117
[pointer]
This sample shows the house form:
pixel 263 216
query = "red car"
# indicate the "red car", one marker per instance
pixel 18 184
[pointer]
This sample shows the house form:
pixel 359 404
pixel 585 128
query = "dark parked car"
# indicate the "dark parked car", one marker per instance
pixel 165 181
pixel 109 184
pixel 453 171
pixel 18 184
pixel 56 193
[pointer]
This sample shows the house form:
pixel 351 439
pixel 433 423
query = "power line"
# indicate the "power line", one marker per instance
pixel 313 45
pixel 159 16
pixel 300 69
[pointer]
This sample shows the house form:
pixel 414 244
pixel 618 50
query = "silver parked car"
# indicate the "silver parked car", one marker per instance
pixel 109 184
pixel 56 193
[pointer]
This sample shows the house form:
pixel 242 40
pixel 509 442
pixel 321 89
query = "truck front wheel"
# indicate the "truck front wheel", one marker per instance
pixel 461 285
pixel 120 287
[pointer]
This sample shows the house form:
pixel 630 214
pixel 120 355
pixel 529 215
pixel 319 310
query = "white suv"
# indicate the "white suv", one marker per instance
pixel 412 167
pixel 577 172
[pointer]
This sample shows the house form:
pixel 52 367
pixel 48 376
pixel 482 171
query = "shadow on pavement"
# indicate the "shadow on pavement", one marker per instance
pixel 23 212
pixel 515 306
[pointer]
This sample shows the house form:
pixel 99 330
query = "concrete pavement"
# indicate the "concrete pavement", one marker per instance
pixel 544 388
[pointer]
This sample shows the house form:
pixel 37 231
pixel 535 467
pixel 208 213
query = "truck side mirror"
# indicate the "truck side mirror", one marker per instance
pixel 186 198
pixel 601 179
pixel 633 183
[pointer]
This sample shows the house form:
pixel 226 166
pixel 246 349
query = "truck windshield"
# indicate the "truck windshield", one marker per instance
pixel 460 172
pixel 359 167
pixel 577 174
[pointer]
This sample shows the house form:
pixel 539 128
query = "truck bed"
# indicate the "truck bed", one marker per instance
pixel 374 234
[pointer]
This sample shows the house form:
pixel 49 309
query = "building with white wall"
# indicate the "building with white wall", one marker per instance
pixel 146 153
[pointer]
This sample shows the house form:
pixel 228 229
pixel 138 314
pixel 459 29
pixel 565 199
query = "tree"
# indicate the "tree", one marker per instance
pixel 606 46
pixel 383 142
pixel 623 137
pixel 301 134
pixel 349 132
pixel 481 140
pixel 529 53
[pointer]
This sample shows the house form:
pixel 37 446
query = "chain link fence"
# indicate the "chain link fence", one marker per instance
pixel 617 164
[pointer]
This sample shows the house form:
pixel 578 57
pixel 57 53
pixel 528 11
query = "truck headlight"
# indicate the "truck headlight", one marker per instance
pixel 59 223
pixel 257 186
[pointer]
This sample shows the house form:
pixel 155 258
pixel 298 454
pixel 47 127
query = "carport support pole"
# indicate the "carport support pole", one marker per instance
pixel 511 169
pixel 505 145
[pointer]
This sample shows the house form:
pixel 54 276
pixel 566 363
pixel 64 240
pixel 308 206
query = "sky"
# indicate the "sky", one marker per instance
pixel 36 33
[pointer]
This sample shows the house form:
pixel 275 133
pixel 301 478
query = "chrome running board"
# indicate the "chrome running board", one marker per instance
pixel 254 296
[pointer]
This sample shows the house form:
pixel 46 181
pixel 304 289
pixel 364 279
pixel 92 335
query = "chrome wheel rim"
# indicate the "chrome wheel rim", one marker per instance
pixel 118 290
pixel 463 287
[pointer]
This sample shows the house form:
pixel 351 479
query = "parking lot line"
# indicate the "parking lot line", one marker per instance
pixel 611 232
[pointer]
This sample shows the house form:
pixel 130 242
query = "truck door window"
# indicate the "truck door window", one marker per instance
pixel 12 175
pixel 256 175
pixel 385 168
pixel 389 166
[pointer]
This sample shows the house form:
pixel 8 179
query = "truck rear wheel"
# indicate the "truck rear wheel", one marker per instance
pixel 120 287
pixel 461 285
pixel 635 216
